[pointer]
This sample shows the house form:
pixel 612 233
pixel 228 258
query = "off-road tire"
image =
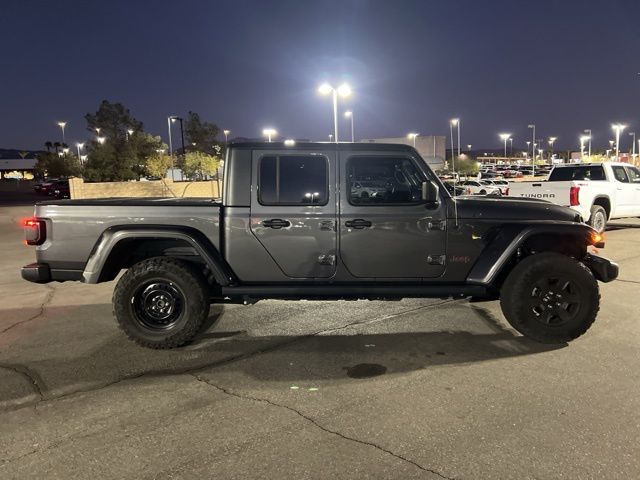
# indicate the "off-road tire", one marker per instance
pixel 168 278
pixel 529 305
pixel 598 218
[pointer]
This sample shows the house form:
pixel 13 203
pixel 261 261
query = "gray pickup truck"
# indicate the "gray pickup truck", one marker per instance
pixel 322 221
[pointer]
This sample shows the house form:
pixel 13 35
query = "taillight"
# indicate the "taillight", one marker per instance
pixel 506 192
pixel 35 232
pixel 574 196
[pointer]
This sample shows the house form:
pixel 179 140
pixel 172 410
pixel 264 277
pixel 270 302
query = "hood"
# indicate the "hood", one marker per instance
pixel 512 208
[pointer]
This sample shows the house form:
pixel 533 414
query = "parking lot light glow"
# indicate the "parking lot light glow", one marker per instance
pixel 289 142
pixel 343 90
pixel 413 136
pixel 269 133
pixel 618 127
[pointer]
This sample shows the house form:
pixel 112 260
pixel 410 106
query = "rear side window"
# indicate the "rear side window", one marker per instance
pixel 293 180
pixel 634 174
pixel 383 181
pixel 579 172
pixel 620 174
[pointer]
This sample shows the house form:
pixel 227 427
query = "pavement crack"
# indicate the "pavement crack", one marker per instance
pixel 319 425
pixel 32 377
pixel 627 281
pixel 43 306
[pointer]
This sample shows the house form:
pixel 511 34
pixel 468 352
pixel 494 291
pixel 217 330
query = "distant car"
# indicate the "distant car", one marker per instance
pixel 59 189
pixel 44 187
pixel 458 189
pixel 474 187
pixel 503 185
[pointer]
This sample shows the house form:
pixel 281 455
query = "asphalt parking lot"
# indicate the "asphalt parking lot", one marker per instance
pixel 410 389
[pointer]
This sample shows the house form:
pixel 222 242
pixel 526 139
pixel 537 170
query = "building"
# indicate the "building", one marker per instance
pixel 430 147
pixel 17 168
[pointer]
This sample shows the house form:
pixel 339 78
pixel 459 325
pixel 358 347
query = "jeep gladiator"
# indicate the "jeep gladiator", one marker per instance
pixel 322 221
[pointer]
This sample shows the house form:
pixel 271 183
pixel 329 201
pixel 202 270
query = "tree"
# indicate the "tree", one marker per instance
pixel 158 164
pixel 119 155
pixel 200 135
pixel 53 165
pixel 198 164
pixel 48 145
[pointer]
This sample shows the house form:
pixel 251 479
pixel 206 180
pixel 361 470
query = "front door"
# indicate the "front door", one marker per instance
pixel 625 192
pixel 293 211
pixel 634 178
pixel 386 230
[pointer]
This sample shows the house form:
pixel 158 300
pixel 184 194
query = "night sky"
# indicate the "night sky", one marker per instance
pixel 244 65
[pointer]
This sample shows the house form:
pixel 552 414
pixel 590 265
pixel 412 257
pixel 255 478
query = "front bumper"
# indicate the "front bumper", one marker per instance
pixel 603 269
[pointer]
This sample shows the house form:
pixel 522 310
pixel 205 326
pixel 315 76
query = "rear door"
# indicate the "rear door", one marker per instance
pixel 634 178
pixel 386 230
pixel 293 210
pixel 625 192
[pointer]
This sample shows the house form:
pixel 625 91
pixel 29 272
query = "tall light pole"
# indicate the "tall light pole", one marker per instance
pixel 583 139
pixel 330 137
pixel 413 136
pixel 618 127
pixel 504 137
pixel 588 132
pixel 533 141
pixel 170 142
pixel 633 134
pixel 129 133
pixel 349 114
pixel 269 132
pixel 79 146
pixel 226 135
pixel 455 122
pixel 343 90
pixel 511 146
pixel 62 125
pixel 552 140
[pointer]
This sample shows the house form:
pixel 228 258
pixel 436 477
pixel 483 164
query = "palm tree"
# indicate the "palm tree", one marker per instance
pixel 48 146
pixel 56 145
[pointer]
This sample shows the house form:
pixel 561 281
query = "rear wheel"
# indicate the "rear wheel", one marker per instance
pixel 550 298
pixel 598 218
pixel 161 302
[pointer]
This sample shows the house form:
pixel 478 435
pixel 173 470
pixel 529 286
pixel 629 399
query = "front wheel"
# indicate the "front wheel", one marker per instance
pixel 598 218
pixel 161 302
pixel 550 298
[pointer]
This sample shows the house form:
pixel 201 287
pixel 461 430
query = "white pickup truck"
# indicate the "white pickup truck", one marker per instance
pixel 598 191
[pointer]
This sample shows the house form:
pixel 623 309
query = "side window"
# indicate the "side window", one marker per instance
pixel 293 180
pixel 620 174
pixel 634 174
pixel 384 181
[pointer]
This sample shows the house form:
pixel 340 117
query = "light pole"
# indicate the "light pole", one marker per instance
pixel 533 141
pixel 618 127
pixel 62 125
pixel 343 90
pixel 226 135
pixel 169 118
pixel 269 133
pixel 469 148
pixel 633 134
pixel 101 140
pixel 504 137
pixel 79 146
pixel 455 122
pixel 129 133
pixel 583 139
pixel 588 132
pixel 413 137
pixel 330 137
pixel 552 140
pixel 511 146
pixel 349 114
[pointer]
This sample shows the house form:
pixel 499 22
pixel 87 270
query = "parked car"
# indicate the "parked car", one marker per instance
pixel 597 191
pixel 265 240
pixel 60 189
pixel 476 187
pixel 44 187
pixel 503 185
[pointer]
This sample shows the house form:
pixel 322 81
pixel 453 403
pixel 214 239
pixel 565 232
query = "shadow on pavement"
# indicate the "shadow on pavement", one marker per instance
pixel 74 366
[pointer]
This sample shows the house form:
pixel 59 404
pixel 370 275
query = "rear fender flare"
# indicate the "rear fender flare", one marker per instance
pixel 197 240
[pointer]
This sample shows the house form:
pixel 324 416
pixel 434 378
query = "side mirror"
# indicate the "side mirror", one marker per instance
pixel 430 192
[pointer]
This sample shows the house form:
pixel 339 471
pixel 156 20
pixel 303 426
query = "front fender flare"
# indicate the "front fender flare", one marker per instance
pixel 507 241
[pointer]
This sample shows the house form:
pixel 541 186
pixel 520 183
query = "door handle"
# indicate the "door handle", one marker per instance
pixel 358 223
pixel 276 223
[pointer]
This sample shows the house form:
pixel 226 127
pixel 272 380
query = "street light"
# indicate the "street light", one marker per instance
pixel 226 135
pixel 101 140
pixel 533 151
pixel 289 142
pixel 633 134
pixel 62 125
pixel 583 139
pixel 98 130
pixel 269 132
pixel 79 146
pixel 413 136
pixel 552 140
pixel 330 137
pixel 504 137
pixel 511 146
pixel 588 132
pixel 349 114
pixel 129 133
pixel 618 127
pixel 343 90
pixel 455 122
